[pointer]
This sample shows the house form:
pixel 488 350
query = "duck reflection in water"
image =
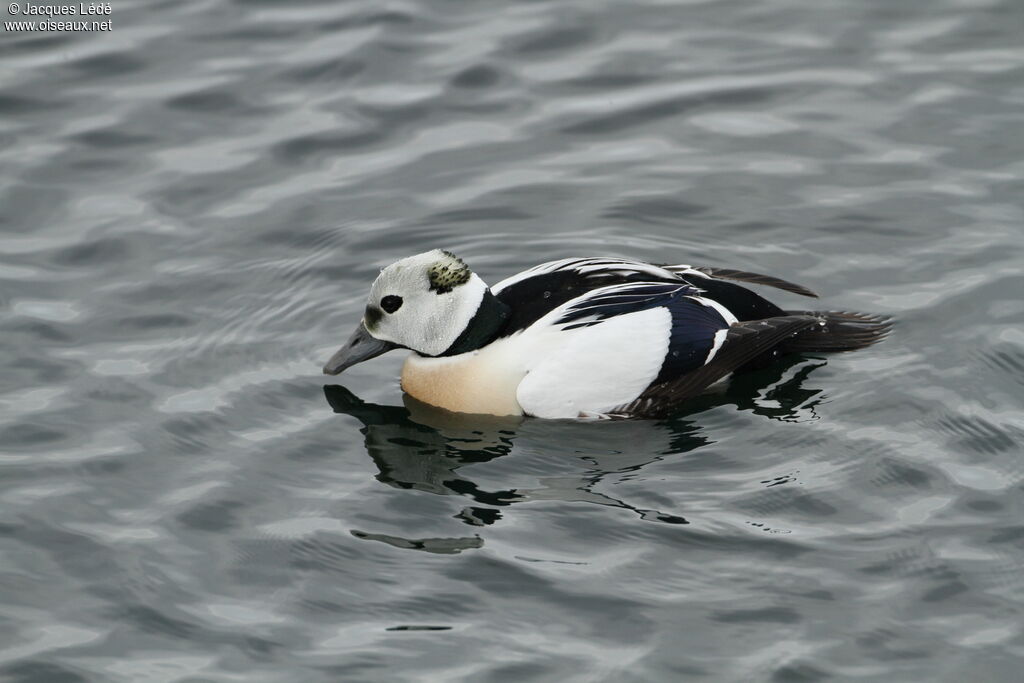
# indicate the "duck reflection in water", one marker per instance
pixel 421 447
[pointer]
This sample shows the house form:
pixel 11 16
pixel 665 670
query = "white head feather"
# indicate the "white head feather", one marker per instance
pixel 437 294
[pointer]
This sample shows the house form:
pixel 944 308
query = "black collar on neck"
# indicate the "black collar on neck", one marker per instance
pixel 483 328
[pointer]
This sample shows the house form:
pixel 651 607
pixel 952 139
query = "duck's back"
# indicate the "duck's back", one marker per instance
pixel 536 292
pixel 657 334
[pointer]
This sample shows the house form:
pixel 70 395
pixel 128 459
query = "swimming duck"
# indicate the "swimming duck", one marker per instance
pixel 582 337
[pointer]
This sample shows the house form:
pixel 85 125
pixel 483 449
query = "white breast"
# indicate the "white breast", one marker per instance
pixel 547 371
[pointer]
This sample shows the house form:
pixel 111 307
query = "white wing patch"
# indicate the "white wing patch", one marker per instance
pixel 730 319
pixel 687 270
pixel 719 340
pixel 622 267
pixel 595 266
pixel 593 369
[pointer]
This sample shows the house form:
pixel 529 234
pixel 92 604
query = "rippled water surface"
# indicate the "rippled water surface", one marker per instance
pixel 193 205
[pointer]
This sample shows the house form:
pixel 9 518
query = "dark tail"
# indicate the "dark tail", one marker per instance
pixel 839 331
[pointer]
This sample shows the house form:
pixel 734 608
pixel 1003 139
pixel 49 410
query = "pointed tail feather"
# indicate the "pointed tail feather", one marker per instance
pixel 839 331
pixel 754 279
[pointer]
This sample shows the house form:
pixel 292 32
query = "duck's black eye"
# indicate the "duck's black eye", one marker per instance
pixel 391 303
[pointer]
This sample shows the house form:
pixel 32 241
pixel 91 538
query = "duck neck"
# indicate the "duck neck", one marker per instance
pixel 483 328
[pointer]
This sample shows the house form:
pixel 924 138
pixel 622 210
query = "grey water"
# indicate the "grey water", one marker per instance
pixel 194 203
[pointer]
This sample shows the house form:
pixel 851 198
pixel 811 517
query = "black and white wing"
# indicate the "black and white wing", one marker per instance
pixel 536 292
pixel 588 272
pixel 658 333
pixel 744 276
pixel 742 343
pixel 607 347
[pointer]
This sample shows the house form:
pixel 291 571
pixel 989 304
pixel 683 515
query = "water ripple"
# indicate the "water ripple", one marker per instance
pixel 194 206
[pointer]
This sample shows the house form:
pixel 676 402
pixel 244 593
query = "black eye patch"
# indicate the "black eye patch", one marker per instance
pixel 391 303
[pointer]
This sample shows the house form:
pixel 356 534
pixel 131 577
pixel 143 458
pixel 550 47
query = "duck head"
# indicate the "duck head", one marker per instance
pixel 426 303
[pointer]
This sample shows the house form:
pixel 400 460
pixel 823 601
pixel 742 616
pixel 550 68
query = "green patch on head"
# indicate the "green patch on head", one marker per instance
pixel 371 317
pixel 447 273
